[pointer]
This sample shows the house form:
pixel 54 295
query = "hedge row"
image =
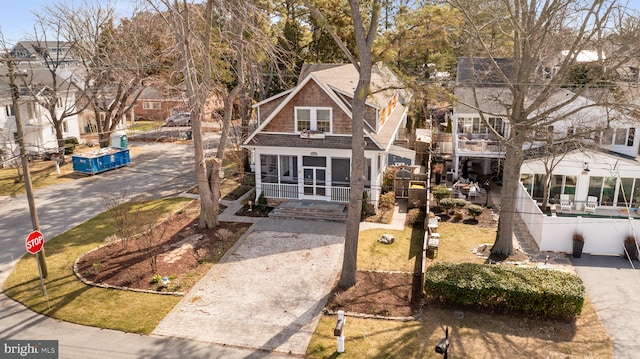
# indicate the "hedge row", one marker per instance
pixel 537 291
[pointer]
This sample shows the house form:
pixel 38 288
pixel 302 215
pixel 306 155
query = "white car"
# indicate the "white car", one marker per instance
pixel 181 119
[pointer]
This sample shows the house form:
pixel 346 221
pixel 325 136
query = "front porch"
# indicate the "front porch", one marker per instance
pixel 292 191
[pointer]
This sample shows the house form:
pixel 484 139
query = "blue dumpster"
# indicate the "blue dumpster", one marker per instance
pixel 100 160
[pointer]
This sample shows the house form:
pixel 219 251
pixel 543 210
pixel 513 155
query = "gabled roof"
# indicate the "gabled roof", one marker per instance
pixel 478 71
pixel 339 82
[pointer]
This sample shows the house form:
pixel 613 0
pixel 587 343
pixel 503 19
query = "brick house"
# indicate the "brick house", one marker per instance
pixel 301 148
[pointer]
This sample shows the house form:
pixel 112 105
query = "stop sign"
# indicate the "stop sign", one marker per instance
pixel 34 242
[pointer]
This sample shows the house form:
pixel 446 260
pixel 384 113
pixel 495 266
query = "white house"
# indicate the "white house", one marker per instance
pixel 302 146
pixel 38 130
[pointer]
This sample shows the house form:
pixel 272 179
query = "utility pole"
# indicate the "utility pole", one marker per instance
pixel 40 256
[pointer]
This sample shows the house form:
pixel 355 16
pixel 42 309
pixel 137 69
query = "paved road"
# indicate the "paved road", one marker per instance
pixel 613 287
pixel 160 170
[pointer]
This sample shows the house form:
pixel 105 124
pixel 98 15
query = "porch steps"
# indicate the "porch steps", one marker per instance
pixel 311 210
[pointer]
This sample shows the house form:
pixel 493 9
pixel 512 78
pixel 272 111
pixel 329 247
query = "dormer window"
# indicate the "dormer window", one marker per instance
pixel 313 118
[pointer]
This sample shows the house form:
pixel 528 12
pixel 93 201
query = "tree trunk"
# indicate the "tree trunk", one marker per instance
pixel 350 259
pixel 60 139
pixel 503 246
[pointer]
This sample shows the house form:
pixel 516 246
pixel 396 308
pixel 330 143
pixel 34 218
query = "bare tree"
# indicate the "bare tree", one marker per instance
pixel 545 40
pixel 227 37
pixel 123 219
pixel 365 34
pixel 112 74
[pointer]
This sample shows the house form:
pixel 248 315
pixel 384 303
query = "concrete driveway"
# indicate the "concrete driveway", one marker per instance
pixel 614 286
pixel 267 293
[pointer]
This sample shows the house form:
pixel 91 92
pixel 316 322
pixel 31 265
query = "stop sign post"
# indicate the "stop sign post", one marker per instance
pixel 34 242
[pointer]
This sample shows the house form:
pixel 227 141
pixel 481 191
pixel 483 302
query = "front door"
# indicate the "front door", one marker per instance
pixel 315 176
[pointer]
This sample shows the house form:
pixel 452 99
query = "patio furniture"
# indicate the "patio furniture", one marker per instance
pixel 473 191
pixel 590 206
pixel 565 203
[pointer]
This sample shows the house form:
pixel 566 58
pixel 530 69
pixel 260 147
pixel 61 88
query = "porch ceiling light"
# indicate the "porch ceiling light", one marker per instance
pixel 586 167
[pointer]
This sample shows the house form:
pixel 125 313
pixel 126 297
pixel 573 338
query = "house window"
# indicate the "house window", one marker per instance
pixel 474 125
pixel 562 185
pixel 58 102
pixel 607 137
pixel 631 136
pixel 315 119
pixel 151 105
pixel 269 168
pixel 624 192
pixel 9 110
pixel 620 137
pixel 340 172
pixel 289 169
pixel 603 188
pixel 65 126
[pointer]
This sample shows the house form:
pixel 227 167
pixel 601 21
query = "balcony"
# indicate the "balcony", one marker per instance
pixel 479 145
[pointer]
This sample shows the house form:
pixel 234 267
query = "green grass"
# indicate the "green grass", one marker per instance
pixel 398 256
pixel 478 335
pixel 70 300
pixel 146 125
pixel 457 240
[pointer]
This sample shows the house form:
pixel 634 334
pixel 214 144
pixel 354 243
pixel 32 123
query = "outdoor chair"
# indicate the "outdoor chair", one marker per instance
pixel 590 206
pixel 473 191
pixel 565 203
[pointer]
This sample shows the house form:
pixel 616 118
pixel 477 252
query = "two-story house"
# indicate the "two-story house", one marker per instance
pixel 302 146
pixel 39 133
pixel 600 168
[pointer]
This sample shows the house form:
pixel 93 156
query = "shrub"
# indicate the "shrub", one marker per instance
pixel 459 202
pixel 414 216
pixel 474 210
pixel 71 140
pixel 440 193
pixel 536 291
pixel 262 202
pixel 365 204
pixel 388 200
pixel 447 203
pixel 457 216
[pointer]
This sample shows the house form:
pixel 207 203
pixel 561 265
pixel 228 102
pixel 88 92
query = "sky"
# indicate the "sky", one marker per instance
pixel 17 18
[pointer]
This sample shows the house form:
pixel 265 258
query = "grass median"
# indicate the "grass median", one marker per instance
pixel 71 300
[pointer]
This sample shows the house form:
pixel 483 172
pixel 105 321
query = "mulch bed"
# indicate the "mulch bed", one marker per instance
pixel 182 252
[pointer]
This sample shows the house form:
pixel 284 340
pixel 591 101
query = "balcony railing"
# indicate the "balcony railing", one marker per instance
pixel 486 146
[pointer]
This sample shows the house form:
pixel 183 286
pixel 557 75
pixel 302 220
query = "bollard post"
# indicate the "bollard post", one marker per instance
pixel 339 330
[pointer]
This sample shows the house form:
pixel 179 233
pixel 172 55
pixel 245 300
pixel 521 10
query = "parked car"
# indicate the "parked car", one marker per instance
pixel 181 119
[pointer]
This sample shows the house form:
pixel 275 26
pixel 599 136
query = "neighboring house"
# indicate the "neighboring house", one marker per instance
pixel 475 141
pixel 603 165
pixel 153 105
pixel 43 53
pixel 302 146
pixel 39 133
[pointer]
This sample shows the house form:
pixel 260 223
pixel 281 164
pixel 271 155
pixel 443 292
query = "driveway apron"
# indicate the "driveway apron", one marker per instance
pixel 613 286
pixel 268 291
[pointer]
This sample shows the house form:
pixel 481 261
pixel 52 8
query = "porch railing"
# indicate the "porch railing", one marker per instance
pixel 279 190
pixel 290 191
